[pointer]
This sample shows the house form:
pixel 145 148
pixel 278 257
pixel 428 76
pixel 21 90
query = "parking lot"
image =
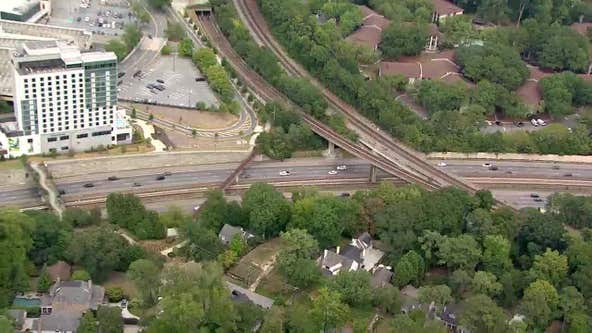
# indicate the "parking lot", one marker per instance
pixel 172 81
pixel 100 17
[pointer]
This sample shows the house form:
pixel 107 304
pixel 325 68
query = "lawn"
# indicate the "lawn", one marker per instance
pixel 118 279
pixel 275 286
pixel 11 164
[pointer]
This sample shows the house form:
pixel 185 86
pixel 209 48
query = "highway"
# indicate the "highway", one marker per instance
pixel 19 197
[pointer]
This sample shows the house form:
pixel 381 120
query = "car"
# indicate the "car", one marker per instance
pixel 541 122
pixel 119 82
pixel 200 79
pixel 160 81
pixel 167 173
pixel 498 123
pixel 159 87
pixel 136 184
pixel 509 172
pixel 555 167
pixel 123 303
pixel 442 164
pixel 120 75
pixel 486 165
pixel 153 91
pixel 196 208
pixel 285 173
pixel 518 123
pixel 333 172
pixel 245 175
pixel 112 178
pixel 569 174
pixel 78 19
pixel 61 192
pixel 150 86
pixel 137 73
pixel 341 167
pixel 493 168
pixel 535 195
pixel 345 194
pixel 86 19
pixel 160 177
pixel 150 36
pixel 538 200
pixel 89 185
pixel 534 122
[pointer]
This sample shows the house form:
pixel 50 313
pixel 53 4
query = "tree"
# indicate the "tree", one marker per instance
pixel 146 277
pixel 460 281
pixel 205 58
pixel 194 299
pixel 410 269
pixel 572 210
pixel 44 281
pixel 481 314
pixel 539 232
pixel 496 254
pixel 274 321
pixel 99 251
pixel 354 287
pixel 571 303
pixel 175 217
pixel 437 96
pixel 78 217
pixel 159 4
pixel 175 31
pixel 550 266
pixel 50 238
pixel 109 318
pixel 131 36
pixel 127 211
pixel 327 311
pixel 295 259
pixel 496 63
pixel 326 218
pixel 457 30
pixel 118 47
pixel 185 47
pixel 417 324
pixel 275 144
pixel 88 323
pixel 220 82
pixel 439 294
pixel 459 252
pixel 267 209
pixel 485 283
pixel 114 294
pixel 81 275
pixel 403 39
pixel 539 302
pixel 388 299
pixel 15 241
pixel 564 49
pixel 203 243
pixel 216 211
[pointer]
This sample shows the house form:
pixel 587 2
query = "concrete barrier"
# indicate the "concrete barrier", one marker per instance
pixel 511 157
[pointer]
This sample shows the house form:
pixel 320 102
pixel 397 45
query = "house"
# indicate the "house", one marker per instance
pixel 228 232
pixel 360 253
pixel 428 66
pixel 582 28
pixel 381 276
pixel 60 271
pixel 434 38
pixel 369 34
pixel 529 92
pixel 444 9
pixel 240 294
pixel 449 317
pixel 65 304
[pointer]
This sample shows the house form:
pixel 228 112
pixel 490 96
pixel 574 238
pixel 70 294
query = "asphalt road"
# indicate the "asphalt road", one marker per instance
pixel 508 169
pixel 19 197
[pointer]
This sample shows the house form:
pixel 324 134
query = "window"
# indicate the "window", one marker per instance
pixel 30 140
pixel 65 148
pixel 64 137
pixel 52 139
pixel 81 136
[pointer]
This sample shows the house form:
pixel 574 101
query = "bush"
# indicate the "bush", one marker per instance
pixel 79 217
pixel 114 294
pixel 81 275
pixel 185 47
pixel 118 47
pixel 166 50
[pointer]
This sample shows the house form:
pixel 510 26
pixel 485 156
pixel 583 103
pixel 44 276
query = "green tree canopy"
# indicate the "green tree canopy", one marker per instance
pixel 267 209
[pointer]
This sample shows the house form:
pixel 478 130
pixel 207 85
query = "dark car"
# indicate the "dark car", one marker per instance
pixel 161 177
pixel 137 184
pixel 160 81
pixel 167 173
pixel 78 19
pixel 112 178
pixel 61 192
pixel 120 75
pixel 493 168
pixel 345 194
pixel 555 167
pixel 200 79
pixel 89 185
pixel 538 200
pixel 569 174
pixel 535 195
pixel 150 86
pixel 159 87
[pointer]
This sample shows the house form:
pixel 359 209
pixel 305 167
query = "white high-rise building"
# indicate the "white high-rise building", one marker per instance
pixel 64 100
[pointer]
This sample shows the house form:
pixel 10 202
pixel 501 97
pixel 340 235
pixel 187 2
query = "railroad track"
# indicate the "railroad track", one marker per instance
pixel 411 160
pixel 269 93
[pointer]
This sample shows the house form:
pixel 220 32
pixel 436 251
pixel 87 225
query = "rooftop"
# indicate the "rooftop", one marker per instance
pixel 239 293
pixel 58 321
pixel 370 33
pixel 582 28
pixel 18 6
pixel 443 7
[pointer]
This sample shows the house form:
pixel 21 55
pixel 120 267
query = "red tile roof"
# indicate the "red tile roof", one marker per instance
pixel 443 7
pixel 370 33
pixel 407 69
pixel 582 28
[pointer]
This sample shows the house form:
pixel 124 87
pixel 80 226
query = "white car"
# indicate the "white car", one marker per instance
pixel 341 167
pixel 442 164
pixel 541 122
pixel 486 165
pixel 333 172
pixel 534 122
pixel 86 19
pixel 284 173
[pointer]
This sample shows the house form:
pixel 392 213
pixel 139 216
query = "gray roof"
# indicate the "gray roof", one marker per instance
pixel 381 277
pixel 366 238
pixel 331 259
pixel 57 321
pixel 80 293
pixel 18 315
pixel 239 293
pixel 352 252
pixel 228 232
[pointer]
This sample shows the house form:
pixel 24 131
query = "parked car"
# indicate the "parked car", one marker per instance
pixel 534 122
pixel 345 194
pixel 120 75
pixel 160 81
pixel 538 200
pixel 541 122
pixel 200 79
pixel 61 192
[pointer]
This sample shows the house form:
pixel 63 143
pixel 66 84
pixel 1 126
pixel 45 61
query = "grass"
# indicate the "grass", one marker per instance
pixel 360 318
pixel 118 279
pixel 250 266
pixel 11 164
pixel 274 285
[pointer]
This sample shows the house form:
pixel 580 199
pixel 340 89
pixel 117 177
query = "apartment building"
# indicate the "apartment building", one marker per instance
pixel 64 100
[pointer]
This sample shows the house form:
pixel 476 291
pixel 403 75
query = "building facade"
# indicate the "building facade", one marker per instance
pixel 64 100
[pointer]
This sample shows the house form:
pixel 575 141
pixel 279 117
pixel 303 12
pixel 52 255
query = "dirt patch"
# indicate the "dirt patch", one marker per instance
pixel 118 279
pixel 185 142
pixel 192 118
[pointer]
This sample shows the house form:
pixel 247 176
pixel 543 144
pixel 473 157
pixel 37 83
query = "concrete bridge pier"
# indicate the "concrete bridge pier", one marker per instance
pixel 372 177
pixel 330 152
